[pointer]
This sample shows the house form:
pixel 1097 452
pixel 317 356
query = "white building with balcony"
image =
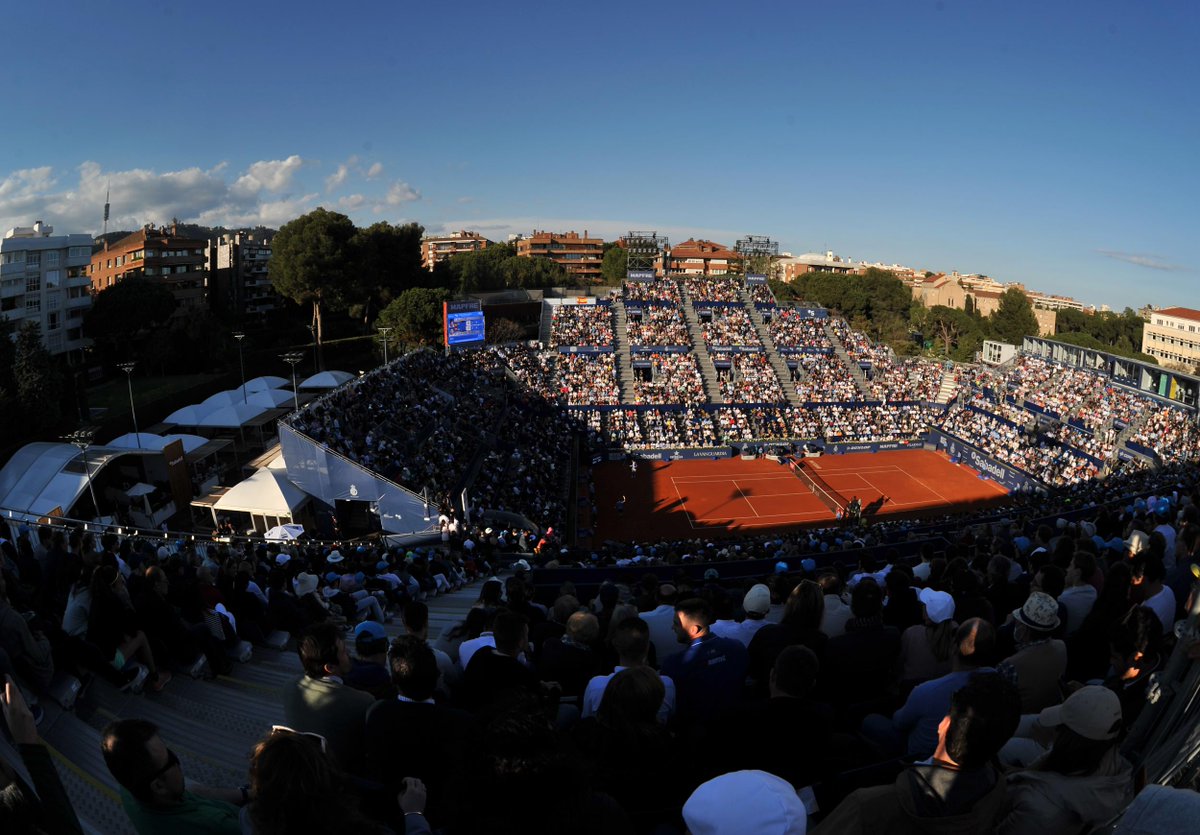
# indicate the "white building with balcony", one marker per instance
pixel 44 278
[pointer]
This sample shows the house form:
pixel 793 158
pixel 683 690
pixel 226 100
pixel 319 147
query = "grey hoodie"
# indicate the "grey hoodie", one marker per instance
pixel 1049 802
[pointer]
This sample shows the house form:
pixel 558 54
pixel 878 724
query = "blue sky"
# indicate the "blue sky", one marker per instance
pixel 1049 143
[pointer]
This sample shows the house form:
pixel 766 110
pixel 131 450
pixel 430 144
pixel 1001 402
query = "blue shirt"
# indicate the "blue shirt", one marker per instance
pixel 927 705
pixel 709 676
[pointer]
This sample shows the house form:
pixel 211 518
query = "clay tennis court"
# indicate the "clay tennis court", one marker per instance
pixel 732 496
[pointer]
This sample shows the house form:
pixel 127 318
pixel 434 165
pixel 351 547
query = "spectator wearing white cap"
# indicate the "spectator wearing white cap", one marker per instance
pixel 757 604
pixel 1040 660
pixel 926 648
pixel 1082 780
pixel 745 801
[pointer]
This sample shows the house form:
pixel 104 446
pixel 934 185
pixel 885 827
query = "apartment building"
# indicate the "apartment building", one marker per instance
pixel 790 266
pixel 701 257
pixel 436 248
pixel 239 275
pixel 580 255
pixel 160 255
pixel 44 279
pixel 1173 336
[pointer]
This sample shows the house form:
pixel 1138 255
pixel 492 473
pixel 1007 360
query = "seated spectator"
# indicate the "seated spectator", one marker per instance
pixel 1149 576
pixel 661 620
pixel 788 734
pixel 635 759
pixel 571 660
pixel 412 735
pixel 495 674
pixel 298 786
pixel 756 603
pixel 631 640
pixel 1040 661
pixel 153 792
pixel 958 790
pixel 765 805
pixel 320 702
pixel 41 804
pixel 860 665
pixel 1082 781
pixel 710 673
pixel 1079 595
pixel 837 610
pixel 112 627
pixel 1135 651
pixel 28 652
pixel 913 729
pixel 800 624
pixel 925 649
pixel 415 616
pixel 1088 651
pixel 368 670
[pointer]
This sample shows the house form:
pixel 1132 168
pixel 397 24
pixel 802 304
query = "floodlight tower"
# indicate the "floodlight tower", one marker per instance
pixel 292 358
pixel 758 254
pixel 644 249
pixel 82 438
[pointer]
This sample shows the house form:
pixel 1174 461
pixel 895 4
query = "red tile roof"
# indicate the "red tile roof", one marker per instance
pixel 1180 313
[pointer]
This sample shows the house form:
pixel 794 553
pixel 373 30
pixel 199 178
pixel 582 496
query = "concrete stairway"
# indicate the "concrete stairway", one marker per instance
pixel 948 388
pixel 839 350
pixel 708 371
pixel 622 356
pixel 781 368
pixel 212 726
pixel 544 324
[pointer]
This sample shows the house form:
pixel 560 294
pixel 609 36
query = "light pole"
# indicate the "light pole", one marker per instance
pixel 292 358
pixel 82 438
pixel 128 367
pixel 242 363
pixel 384 332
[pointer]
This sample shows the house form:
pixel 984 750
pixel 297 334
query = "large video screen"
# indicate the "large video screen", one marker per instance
pixel 464 327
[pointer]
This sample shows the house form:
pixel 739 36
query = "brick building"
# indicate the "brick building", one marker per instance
pixel 436 248
pixel 701 257
pixel 160 255
pixel 581 256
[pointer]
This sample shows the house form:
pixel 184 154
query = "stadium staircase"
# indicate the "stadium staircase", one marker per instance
pixel 545 325
pixel 948 388
pixel 623 358
pixel 839 350
pixel 212 726
pixel 708 371
pixel 777 362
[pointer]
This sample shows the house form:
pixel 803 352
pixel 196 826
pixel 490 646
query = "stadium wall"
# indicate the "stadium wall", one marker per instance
pixel 1010 479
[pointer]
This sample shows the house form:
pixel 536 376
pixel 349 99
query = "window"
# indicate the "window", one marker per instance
pixel 33 304
pixel 79 251
pixel 52 322
pixel 53 301
pixel 54 343
pixel 139 255
pixel 17 257
pixel 52 257
pixel 33 284
pixel 52 279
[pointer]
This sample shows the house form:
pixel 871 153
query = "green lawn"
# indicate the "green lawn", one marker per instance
pixel 114 394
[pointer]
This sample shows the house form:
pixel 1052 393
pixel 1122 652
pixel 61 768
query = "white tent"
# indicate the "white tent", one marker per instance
pixel 231 417
pixel 191 443
pixel 262 384
pixel 43 476
pixel 267 493
pixel 271 398
pixel 327 380
pixel 189 415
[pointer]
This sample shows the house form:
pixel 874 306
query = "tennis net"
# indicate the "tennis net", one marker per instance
pixel 820 489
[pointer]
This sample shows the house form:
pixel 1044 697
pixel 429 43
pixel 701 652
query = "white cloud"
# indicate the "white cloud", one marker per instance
pixel 1153 262
pixel 375 170
pixel 268 175
pixel 334 180
pixel 270 192
pixel 400 192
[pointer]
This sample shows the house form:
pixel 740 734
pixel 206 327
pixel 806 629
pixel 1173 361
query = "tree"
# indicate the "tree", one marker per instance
pixel 957 330
pixel 415 316
pixel 123 314
pixel 388 263
pixel 614 265
pixel 313 261
pixel 1013 318
pixel 38 381
pixel 501 331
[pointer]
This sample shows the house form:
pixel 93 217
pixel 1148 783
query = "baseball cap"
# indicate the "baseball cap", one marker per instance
pixel 1138 541
pixel 939 605
pixel 368 632
pixel 757 600
pixel 1093 712
pixel 745 801
pixel 382 565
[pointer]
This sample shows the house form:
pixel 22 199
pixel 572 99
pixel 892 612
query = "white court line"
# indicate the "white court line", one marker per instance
pixel 683 506
pixel 745 498
pixel 704 479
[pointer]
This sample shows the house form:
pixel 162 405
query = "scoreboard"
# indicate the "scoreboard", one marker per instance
pixel 463 322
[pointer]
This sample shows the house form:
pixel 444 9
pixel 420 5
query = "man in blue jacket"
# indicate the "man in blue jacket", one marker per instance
pixel 710 673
